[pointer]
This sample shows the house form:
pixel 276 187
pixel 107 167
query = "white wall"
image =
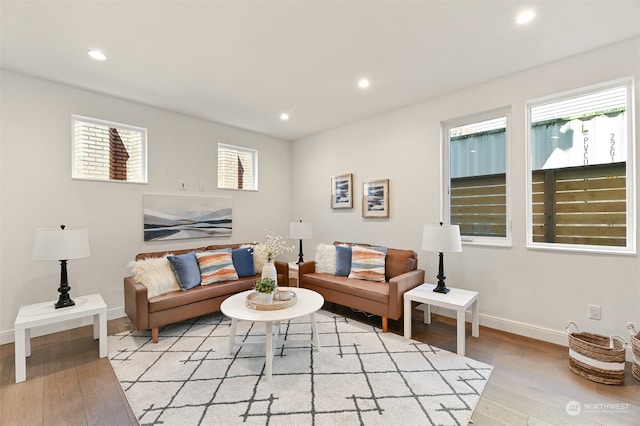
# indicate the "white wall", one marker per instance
pixel 37 190
pixel 530 292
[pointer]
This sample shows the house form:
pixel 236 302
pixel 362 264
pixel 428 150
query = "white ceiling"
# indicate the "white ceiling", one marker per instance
pixel 244 63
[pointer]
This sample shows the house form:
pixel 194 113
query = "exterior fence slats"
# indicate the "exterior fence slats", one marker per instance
pixel 479 205
pixel 585 205
pixel 575 205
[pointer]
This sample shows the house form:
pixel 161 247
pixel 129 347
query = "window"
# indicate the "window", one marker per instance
pixel 237 168
pixel 476 193
pixel 580 170
pixel 108 151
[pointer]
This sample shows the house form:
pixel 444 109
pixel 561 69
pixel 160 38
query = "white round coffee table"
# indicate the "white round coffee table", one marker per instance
pixel 308 303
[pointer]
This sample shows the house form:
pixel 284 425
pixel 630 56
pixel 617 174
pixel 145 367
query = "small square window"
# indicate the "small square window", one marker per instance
pixel 108 151
pixel 237 168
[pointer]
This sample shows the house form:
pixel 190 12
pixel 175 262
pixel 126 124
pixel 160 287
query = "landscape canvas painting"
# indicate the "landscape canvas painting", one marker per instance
pixel 172 217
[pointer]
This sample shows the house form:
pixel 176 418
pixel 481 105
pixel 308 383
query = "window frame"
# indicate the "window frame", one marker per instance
pixel 630 247
pixel 143 149
pixel 445 161
pixel 254 164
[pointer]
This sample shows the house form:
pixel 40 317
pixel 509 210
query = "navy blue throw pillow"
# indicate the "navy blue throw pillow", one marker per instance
pixel 186 268
pixel 243 261
pixel 343 261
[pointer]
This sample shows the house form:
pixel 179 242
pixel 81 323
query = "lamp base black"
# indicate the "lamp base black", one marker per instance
pixel 64 301
pixel 300 255
pixel 441 288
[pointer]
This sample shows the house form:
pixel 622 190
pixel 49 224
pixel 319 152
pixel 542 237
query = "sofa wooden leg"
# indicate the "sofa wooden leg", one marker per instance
pixel 385 324
pixel 154 334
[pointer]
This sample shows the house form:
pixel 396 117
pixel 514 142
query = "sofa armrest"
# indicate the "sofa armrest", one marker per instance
pixel 398 286
pixel 308 267
pixel 136 305
pixel 282 269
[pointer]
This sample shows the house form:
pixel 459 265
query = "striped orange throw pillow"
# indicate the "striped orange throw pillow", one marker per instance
pixel 216 266
pixel 367 263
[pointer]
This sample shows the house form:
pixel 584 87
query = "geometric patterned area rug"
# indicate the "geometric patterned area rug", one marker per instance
pixel 360 376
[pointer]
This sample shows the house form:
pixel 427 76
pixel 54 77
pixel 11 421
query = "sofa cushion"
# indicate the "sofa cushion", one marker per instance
pixel 243 262
pixel 178 298
pixel 156 274
pixel 325 259
pixel 343 260
pixel 375 291
pixel 216 266
pixel 185 267
pixel 367 263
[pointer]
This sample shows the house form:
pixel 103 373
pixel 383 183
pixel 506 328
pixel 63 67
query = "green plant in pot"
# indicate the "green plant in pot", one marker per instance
pixel 265 287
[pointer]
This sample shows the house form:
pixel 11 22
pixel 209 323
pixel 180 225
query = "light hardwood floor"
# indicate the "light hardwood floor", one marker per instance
pixel 67 384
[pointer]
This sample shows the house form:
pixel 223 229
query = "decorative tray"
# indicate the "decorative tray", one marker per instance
pixel 282 299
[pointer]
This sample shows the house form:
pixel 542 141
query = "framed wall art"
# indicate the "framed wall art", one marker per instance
pixel 375 198
pixel 342 191
pixel 168 217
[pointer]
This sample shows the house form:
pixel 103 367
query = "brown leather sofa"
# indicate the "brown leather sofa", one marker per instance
pixel 384 299
pixel 158 311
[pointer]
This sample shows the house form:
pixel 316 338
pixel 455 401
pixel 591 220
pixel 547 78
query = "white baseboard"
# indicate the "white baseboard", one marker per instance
pixel 519 328
pixel 9 336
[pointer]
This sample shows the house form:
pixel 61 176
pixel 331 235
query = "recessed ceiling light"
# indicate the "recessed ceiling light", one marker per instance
pixel 363 83
pixel 97 55
pixel 525 17
pixel 284 116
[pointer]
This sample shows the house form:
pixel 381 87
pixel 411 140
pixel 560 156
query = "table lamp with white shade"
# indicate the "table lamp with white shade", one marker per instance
pixel 61 244
pixel 441 238
pixel 300 231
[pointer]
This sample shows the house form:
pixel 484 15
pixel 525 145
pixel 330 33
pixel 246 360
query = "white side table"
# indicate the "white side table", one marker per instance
pixel 457 299
pixel 293 275
pixel 45 313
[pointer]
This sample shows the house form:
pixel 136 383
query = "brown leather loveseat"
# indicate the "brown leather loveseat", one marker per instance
pixel 178 305
pixel 384 299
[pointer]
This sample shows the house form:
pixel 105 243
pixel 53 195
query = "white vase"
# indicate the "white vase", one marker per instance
pixel 269 271
pixel 265 298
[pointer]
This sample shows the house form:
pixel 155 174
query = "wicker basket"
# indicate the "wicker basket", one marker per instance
pixel 595 357
pixel 635 345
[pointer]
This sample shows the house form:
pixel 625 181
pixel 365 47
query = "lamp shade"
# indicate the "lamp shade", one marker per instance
pixel 300 231
pixel 441 238
pixel 60 244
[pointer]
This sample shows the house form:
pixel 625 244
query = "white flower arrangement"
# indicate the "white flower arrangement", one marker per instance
pixel 273 246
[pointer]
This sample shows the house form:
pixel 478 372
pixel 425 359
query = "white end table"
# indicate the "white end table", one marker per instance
pixel 457 299
pixel 293 275
pixel 45 313
pixel 308 303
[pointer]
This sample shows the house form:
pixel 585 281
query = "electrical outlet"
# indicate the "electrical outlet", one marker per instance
pixel 183 186
pixel 202 187
pixel 594 312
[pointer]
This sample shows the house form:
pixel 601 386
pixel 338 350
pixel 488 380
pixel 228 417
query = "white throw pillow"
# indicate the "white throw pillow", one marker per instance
pixel 156 274
pixel 325 259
